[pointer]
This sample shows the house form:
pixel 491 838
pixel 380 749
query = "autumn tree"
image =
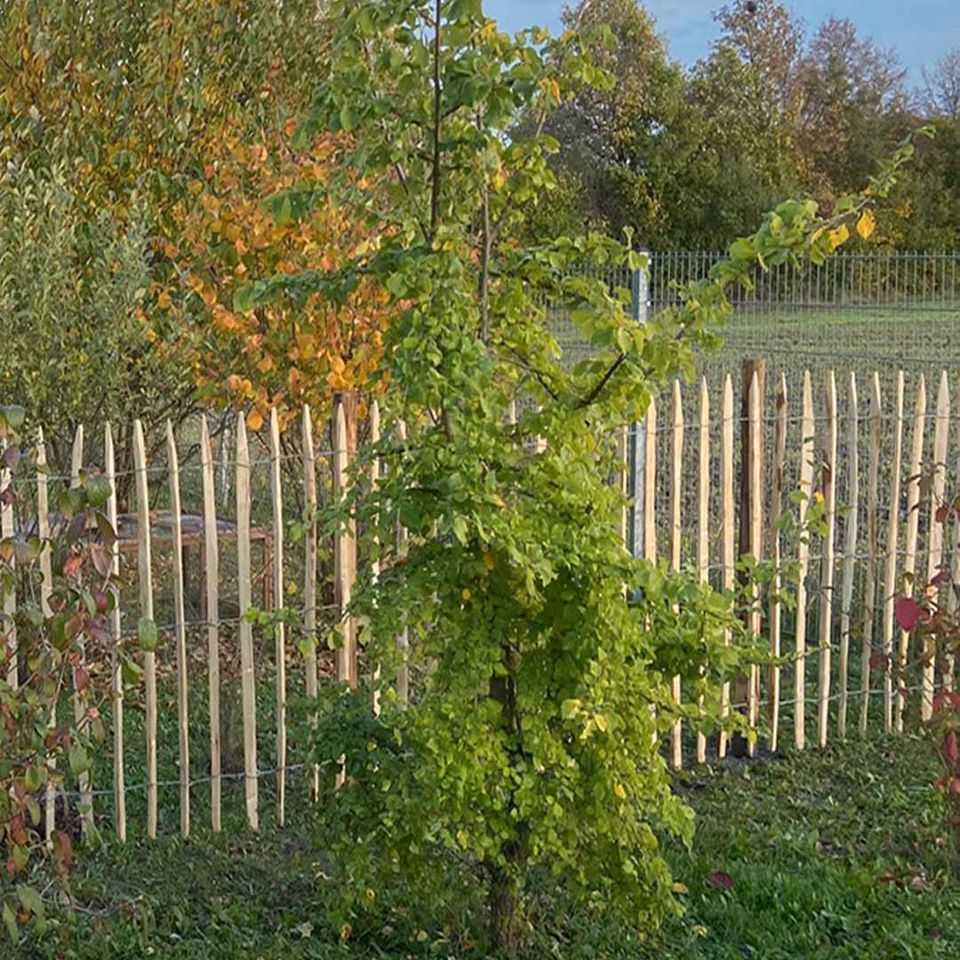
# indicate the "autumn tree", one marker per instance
pixel 262 208
pixel 108 110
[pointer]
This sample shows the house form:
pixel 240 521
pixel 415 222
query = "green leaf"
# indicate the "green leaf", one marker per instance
pixel 244 299
pixel 10 920
pixel 31 900
pixel 147 634
pixel 79 759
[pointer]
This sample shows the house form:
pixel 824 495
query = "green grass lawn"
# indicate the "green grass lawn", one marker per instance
pixel 839 853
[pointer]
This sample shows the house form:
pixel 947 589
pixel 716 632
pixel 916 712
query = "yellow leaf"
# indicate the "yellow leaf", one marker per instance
pixel 602 723
pixel 620 792
pixel 839 236
pixel 866 224
pixel 680 887
pixel 163 301
pixel 254 420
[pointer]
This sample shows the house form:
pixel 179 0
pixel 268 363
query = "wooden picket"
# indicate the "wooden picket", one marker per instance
pixel 776 607
pixel 803 562
pixel 650 483
pixel 890 564
pixel 403 641
pixel 180 630
pixel 279 629
pixel 116 666
pixel 851 509
pixel 910 552
pixel 676 535
pixel 211 564
pixel 310 575
pixel 46 591
pixel 145 581
pixel 247 676
pixel 935 539
pixel 345 554
pixel 753 468
pixel 9 605
pixel 829 491
pixel 873 544
pixel 703 520
pixel 728 521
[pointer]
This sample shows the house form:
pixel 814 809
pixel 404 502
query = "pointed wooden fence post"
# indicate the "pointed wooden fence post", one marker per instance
pixel 650 485
pixel 80 704
pixel 8 625
pixel 211 560
pixel 280 630
pixel 345 553
pixel 829 487
pixel 403 641
pixel 46 592
pixel 910 545
pixel 119 782
pixel 729 524
pixel 849 552
pixel 873 546
pixel 676 538
pixel 375 562
pixel 310 576
pixel 703 520
pixel 180 632
pixel 935 541
pixel 247 676
pixel 145 582
pixel 776 506
pixel 890 563
pixel 803 562
pixel 754 469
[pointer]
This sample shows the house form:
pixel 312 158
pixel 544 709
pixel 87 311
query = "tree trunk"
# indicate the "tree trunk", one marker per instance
pixel 502 891
pixel 503 909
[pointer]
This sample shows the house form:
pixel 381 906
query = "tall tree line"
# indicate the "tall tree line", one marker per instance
pixel 692 157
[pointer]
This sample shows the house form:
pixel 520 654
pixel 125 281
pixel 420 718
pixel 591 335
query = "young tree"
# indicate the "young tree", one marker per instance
pixel 527 756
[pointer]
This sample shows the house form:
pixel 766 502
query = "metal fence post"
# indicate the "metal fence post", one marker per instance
pixel 639 304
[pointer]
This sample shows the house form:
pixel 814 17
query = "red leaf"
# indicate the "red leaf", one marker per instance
pixel 74 562
pixel 18 831
pixel 877 660
pixel 946 698
pixel 63 848
pixel 907 611
pixel 720 880
pixel 81 679
pixel 948 749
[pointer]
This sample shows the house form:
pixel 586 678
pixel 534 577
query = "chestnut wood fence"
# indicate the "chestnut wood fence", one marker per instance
pixel 725 473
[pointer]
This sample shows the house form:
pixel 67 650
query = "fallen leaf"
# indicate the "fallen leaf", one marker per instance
pixel 720 880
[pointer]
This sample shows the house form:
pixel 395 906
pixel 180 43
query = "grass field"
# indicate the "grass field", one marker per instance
pixel 835 854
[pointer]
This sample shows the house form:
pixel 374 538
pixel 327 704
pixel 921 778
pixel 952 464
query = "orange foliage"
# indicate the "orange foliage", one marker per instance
pixel 283 354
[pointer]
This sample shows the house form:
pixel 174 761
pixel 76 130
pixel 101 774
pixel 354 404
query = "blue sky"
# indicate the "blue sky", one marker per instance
pixel 921 31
